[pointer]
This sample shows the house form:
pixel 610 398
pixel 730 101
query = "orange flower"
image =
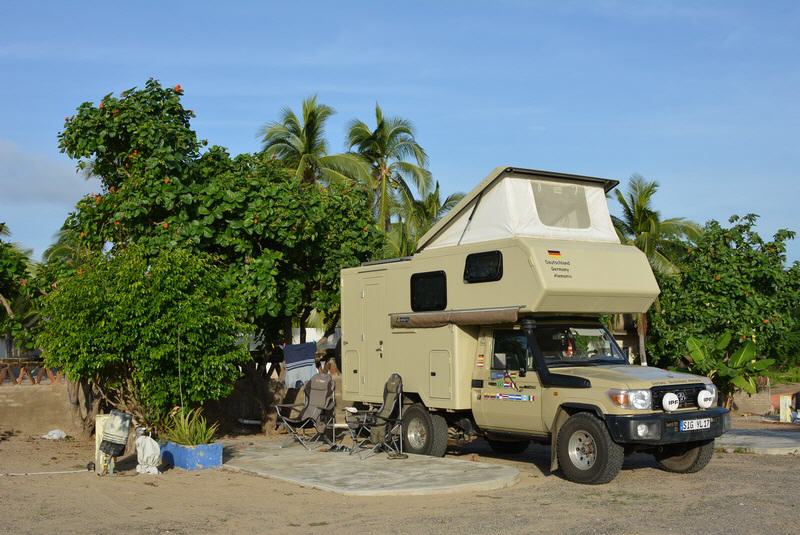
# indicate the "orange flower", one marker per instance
pixel 717 277
pixel 166 180
pixel 178 89
pixel 23 282
pixel 765 321
pixel 165 225
pixel 102 105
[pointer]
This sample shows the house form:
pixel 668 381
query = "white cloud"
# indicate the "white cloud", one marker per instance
pixel 30 178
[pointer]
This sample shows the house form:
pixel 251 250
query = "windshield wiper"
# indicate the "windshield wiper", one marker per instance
pixel 564 364
pixel 610 360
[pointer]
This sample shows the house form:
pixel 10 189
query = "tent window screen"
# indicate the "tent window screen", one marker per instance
pixel 561 205
pixel 428 291
pixel 484 267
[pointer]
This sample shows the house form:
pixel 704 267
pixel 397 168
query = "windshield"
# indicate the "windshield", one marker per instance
pixel 571 345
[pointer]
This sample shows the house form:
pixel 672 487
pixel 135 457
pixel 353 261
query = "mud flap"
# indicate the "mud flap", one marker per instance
pixel 561 417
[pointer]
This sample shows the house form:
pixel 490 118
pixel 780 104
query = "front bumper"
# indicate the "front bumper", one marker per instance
pixel 664 428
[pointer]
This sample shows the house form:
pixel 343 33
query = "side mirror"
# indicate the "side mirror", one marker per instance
pixel 522 368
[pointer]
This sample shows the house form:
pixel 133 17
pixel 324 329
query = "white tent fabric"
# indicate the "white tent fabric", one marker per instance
pixel 533 207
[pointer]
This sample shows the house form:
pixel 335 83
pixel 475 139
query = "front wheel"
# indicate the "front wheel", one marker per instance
pixel 685 458
pixel 586 452
pixel 424 433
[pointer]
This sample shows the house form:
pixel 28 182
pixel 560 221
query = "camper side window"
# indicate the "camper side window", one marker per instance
pixel 428 291
pixel 484 267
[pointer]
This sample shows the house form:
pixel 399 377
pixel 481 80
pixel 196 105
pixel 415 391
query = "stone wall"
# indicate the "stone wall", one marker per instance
pixel 758 403
pixel 36 409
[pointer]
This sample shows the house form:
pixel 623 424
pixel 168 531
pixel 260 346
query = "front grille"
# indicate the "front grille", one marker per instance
pixel 687 395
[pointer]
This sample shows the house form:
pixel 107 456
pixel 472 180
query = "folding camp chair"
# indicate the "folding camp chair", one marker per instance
pixel 383 427
pixel 315 413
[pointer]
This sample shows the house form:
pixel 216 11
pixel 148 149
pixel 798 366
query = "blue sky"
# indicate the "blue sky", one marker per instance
pixel 703 97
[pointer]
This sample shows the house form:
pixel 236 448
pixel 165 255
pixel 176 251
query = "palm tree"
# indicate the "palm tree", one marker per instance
pixel 430 209
pixel 388 149
pixel 416 217
pixel 66 248
pixel 641 225
pixel 301 145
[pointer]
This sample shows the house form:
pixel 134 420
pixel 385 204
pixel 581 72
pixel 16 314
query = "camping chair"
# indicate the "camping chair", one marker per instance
pixel 382 427
pixel 316 411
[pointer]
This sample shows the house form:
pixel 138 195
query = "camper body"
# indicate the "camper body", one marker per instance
pixel 494 328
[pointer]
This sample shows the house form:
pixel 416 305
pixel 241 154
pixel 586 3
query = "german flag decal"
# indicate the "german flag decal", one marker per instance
pixel 554 254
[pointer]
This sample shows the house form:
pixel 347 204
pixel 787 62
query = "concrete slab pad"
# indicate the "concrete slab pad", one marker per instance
pixel 761 441
pixel 376 476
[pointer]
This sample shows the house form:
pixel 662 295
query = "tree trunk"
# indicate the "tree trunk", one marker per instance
pixel 729 400
pixel 641 329
pixel 7 306
pixel 303 319
pixel 287 330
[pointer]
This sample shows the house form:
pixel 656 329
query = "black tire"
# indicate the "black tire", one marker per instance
pixel 596 458
pixel 685 458
pixel 508 447
pixel 424 433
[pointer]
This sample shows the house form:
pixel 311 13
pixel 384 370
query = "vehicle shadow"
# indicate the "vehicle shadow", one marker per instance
pixel 539 456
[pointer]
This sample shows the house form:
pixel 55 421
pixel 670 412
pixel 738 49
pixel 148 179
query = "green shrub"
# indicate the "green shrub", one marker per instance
pixel 729 369
pixel 149 332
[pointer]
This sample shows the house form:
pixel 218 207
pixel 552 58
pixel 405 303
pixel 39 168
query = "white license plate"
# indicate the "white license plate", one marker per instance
pixel 694 425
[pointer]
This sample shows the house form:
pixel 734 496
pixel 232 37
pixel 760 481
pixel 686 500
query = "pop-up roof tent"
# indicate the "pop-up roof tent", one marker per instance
pixel 514 202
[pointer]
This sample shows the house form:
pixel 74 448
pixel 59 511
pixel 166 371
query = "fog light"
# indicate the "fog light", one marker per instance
pixel 670 402
pixel 641 430
pixel 705 399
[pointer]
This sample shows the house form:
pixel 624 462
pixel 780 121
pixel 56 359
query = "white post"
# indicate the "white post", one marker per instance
pixel 786 409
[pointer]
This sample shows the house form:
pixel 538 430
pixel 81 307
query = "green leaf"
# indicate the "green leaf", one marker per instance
pixel 723 341
pixel 696 350
pixel 744 384
pixel 746 352
pixel 762 364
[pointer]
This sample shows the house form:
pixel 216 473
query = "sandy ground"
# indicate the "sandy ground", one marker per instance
pixel 735 494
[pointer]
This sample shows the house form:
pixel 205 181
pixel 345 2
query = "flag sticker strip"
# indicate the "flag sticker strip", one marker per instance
pixel 510 397
pixel 556 254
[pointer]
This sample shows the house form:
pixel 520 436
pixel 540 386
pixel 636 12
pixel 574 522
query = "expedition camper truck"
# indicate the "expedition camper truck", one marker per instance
pixel 494 326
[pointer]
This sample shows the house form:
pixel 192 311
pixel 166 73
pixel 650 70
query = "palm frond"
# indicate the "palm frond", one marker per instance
pixel 419 176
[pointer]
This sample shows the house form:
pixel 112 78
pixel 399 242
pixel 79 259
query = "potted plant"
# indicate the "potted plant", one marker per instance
pixel 190 442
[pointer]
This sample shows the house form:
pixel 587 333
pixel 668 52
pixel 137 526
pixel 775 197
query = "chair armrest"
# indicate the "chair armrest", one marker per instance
pixel 358 412
pixel 284 405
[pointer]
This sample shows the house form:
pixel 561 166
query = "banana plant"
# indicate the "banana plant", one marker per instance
pixel 729 371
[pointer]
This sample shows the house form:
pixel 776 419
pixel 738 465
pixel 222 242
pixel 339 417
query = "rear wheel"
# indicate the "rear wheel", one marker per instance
pixel 424 433
pixel 508 447
pixel 586 452
pixel 685 458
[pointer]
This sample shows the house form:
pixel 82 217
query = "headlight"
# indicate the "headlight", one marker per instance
pixel 631 399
